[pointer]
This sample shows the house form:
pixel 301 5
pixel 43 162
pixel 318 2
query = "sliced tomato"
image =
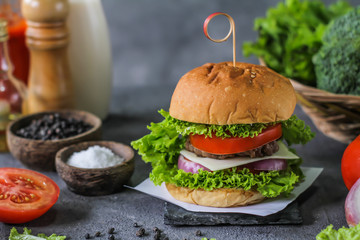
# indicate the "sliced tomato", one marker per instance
pixel 25 195
pixel 218 145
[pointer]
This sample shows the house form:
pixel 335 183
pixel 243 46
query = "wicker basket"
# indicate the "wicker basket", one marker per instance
pixel 335 115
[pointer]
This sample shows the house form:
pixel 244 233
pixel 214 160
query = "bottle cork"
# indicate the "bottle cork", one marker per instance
pixel 50 86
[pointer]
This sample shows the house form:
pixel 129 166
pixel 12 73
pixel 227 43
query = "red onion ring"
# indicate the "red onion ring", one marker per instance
pixel 268 165
pixel 190 166
pixel 352 205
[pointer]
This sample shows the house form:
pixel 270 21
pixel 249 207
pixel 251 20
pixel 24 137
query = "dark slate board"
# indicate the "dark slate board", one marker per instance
pixel 174 215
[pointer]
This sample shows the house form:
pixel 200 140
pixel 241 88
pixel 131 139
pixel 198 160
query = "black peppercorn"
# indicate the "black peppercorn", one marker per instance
pixel 111 237
pixel 97 234
pixel 157 235
pixel 135 225
pixel 87 236
pixel 53 127
pixel 111 230
pixel 198 233
pixel 140 232
pixel 156 230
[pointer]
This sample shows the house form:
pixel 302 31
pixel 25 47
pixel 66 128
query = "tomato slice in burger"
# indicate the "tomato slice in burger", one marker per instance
pixel 25 195
pixel 218 145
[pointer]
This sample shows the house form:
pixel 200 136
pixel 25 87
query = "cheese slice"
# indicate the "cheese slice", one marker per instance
pixel 216 164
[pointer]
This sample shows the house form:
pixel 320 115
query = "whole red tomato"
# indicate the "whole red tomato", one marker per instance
pixel 350 163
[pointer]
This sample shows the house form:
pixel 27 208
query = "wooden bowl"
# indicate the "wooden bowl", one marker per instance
pixel 95 181
pixel 40 154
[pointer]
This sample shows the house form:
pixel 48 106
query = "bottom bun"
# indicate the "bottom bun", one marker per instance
pixel 222 197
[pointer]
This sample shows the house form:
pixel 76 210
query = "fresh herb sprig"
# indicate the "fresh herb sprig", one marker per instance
pixel 291 33
pixel 27 235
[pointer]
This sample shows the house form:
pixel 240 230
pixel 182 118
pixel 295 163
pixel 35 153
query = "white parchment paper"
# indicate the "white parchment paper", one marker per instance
pixel 269 206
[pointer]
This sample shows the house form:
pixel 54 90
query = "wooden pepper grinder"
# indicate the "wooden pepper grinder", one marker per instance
pixel 50 86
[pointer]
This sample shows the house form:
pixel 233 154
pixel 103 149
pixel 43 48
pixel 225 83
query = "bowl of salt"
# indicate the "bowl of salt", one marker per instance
pixel 95 168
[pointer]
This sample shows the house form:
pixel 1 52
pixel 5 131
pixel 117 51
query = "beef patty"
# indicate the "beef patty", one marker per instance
pixel 264 150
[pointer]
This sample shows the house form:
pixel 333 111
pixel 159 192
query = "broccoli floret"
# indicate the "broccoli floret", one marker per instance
pixel 344 27
pixel 337 65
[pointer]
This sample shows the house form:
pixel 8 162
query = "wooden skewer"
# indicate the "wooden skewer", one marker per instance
pixel 231 31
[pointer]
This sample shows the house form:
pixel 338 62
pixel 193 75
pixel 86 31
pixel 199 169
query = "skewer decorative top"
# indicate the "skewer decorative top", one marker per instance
pixel 231 31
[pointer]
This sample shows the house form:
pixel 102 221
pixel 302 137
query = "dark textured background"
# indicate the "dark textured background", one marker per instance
pixel 154 43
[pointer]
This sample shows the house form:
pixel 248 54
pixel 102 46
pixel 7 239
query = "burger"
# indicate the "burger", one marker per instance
pixel 225 140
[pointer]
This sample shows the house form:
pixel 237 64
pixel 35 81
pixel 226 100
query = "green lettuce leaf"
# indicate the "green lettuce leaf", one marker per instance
pixel 295 131
pixel 270 184
pixel 238 130
pixel 294 165
pixel 26 235
pixel 161 147
pixel 352 233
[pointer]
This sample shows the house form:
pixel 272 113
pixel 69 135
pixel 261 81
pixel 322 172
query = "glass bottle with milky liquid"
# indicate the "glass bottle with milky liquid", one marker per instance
pixel 90 56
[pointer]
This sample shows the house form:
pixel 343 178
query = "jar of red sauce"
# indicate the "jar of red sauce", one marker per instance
pixel 19 53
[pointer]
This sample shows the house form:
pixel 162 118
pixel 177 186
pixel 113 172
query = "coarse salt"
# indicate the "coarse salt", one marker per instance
pixel 94 157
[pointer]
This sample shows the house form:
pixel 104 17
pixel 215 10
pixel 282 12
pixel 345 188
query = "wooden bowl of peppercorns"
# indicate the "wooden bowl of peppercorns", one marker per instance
pixel 34 139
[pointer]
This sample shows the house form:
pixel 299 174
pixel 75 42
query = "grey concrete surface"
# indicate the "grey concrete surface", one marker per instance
pixel 154 43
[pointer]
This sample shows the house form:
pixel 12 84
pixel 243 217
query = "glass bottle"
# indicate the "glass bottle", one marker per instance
pixel 90 56
pixel 10 100
pixel 19 53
